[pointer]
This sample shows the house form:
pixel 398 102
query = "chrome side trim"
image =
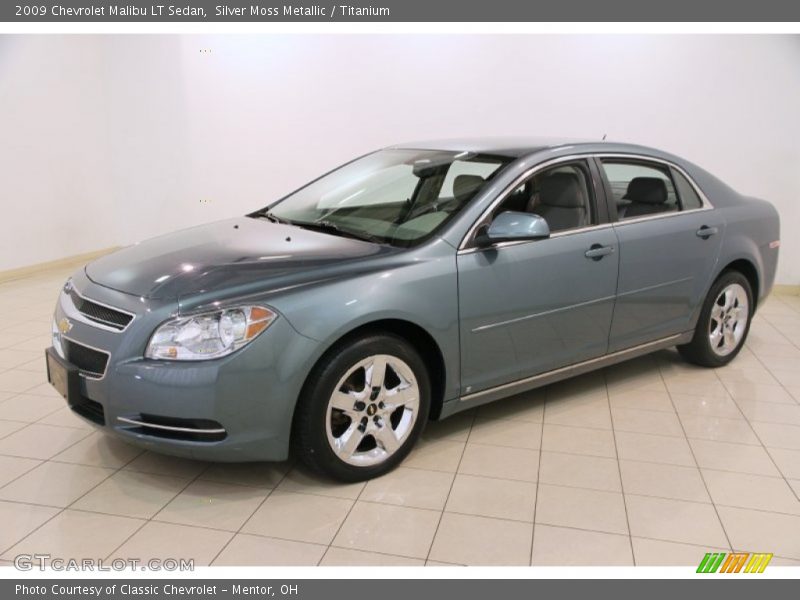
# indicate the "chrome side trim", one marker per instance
pixel 463 246
pixel 648 288
pixel 167 427
pixel 89 374
pixel 561 373
pixel 99 323
pixel 542 314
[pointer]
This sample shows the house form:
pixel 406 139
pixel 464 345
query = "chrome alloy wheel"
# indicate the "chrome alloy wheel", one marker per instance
pixel 372 410
pixel 728 322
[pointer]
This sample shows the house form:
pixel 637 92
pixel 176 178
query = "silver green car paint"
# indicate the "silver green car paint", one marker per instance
pixel 491 316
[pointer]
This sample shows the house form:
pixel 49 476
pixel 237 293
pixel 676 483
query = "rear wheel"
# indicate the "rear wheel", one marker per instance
pixel 362 409
pixel 723 324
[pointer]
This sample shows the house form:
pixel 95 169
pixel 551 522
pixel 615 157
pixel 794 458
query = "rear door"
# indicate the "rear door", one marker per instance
pixel 669 242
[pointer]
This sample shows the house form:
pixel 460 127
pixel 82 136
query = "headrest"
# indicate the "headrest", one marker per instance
pixel 648 190
pixel 562 190
pixel 465 186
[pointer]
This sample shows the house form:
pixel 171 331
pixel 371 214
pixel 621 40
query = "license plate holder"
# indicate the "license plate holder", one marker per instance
pixel 63 376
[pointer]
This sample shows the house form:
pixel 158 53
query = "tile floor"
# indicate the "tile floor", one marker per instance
pixel 652 462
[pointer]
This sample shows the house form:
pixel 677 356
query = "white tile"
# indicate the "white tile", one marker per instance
pixel 389 529
pixel 646 421
pixel 496 461
pixel 410 487
pixel 132 494
pixel 54 484
pixel 168 540
pixel 663 481
pixel 741 458
pixel 251 550
pixel 213 504
pixel 488 497
pixel 574 470
pixel 344 557
pixel 581 509
pixel 12 467
pixel 40 441
pixel 561 546
pixel 674 520
pixel 578 440
pixel 75 535
pixel 753 530
pixel 301 481
pixel 512 434
pixel 300 517
pixel 658 553
pixel 20 520
pixel 471 540
pixel 745 490
pixel 99 450
pixel 719 429
pixel 646 447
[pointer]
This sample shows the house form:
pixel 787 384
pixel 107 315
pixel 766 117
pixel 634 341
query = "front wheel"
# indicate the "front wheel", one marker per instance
pixel 723 324
pixel 362 409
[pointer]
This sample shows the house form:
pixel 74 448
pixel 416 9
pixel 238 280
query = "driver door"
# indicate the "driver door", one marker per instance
pixel 534 306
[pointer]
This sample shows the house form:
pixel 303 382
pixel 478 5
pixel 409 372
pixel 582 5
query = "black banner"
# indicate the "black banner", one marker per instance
pixel 244 11
pixel 731 588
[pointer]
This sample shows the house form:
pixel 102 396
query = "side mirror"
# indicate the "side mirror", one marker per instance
pixel 512 226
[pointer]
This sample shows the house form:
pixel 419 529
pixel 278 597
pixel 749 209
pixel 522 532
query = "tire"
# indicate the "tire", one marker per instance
pixel 352 431
pixel 723 324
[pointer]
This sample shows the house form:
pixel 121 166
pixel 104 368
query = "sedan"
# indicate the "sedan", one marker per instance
pixel 408 285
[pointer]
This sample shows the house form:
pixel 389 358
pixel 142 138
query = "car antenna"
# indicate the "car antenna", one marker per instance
pixel 604 137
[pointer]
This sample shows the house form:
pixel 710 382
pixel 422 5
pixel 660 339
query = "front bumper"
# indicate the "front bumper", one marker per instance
pixel 236 408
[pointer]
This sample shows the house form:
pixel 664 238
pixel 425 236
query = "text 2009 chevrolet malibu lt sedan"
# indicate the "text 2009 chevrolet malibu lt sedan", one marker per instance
pixel 409 284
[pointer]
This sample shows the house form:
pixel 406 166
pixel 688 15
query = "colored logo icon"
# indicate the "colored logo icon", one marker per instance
pixel 735 562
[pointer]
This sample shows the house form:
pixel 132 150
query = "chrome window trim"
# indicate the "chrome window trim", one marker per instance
pixel 89 374
pixel 465 248
pixel 99 323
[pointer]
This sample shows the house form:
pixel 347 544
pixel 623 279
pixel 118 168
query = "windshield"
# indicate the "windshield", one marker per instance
pixel 397 197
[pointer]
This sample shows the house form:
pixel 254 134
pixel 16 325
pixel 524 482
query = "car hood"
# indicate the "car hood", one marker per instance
pixel 226 255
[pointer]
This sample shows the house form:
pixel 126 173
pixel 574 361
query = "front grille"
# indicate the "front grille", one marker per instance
pixel 89 409
pixel 98 313
pixel 91 362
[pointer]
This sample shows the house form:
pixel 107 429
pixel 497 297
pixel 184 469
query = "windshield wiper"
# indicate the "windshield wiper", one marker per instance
pixel 330 227
pixel 275 218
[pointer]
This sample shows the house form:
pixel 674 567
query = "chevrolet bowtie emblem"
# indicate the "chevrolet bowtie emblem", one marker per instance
pixel 64 325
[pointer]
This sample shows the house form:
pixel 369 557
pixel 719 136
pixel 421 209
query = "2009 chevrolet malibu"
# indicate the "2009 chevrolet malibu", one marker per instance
pixel 409 284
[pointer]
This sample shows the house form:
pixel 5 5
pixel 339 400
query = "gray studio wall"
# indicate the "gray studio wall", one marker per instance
pixel 110 139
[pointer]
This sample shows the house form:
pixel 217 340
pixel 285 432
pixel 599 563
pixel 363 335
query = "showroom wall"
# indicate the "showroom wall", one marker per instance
pixel 106 140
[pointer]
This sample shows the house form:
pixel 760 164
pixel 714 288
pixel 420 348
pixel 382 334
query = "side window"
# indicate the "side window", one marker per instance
pixel 688 196
pixel 640 189
pixel 561 195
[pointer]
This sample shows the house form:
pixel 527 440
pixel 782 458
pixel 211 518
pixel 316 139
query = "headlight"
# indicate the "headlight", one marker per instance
pixel 209 335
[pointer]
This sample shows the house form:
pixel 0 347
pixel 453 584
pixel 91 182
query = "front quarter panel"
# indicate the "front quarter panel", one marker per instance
pixel 418 286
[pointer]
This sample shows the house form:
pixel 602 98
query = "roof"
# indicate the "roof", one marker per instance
pixel 506 146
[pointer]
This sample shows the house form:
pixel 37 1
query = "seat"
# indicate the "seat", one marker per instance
pixel 466 186
pixel 562 201
pixel 647 196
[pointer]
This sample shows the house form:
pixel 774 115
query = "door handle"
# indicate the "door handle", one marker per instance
pixel 706 232
pixel 598 251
